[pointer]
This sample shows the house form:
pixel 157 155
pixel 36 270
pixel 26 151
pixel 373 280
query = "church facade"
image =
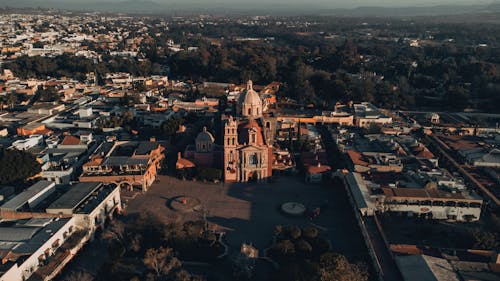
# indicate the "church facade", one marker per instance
pixel 248 149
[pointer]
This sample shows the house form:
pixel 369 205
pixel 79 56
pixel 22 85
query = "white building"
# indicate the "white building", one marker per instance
pixel 30 246
pixel 28 143
pixel 369 197
pixel 90 203
pixel 30 197
pixel 27 245
pixel 366 114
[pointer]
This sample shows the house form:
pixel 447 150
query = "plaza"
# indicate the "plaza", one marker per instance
pixel 248 212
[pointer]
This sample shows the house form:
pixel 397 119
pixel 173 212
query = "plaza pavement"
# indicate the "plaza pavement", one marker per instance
pixel 249 212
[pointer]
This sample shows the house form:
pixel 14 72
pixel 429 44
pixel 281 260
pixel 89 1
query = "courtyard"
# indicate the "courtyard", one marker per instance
pixel 249 212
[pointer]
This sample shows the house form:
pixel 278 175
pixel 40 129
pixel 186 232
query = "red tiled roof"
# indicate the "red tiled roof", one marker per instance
pixel 183 163
pixel 356 158
pixel 421 151
pixel 460 142
pixel 312 158
pixel 243 135
pixel 70 140
pixel 93 162
pixel 318 169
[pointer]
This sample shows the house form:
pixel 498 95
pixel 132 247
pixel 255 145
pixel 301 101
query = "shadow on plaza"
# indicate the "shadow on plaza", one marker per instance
pixel 336 221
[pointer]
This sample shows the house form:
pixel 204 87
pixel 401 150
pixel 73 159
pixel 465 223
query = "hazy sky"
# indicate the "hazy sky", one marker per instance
pixel 355 3
pixel 328 3
pixel 269 6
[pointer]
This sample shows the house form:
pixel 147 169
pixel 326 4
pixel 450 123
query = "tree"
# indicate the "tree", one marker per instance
pixel 285 247
pixel 116 230
pixel 304 249
pixel 161 261
pixel 11 100
pixel 278 229
pixel 48 94
pixel 310 232
pixel 293 232
pixel 183 275
pixel 283 250
pixel 484 240
pixel 80 276
pixel 171 126
pixel 17 165
pixel 456 98
pixel 38 44
pixel 334 266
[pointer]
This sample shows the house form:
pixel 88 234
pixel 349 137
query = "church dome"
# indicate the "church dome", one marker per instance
pixel 251 104
pixel 205 136
pixel 251 97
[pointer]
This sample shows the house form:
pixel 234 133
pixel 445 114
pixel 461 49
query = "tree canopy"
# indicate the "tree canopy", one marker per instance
pixel 17 165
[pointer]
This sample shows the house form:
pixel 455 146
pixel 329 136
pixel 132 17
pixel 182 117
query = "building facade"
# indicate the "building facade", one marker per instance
pixel 248 153
pixel 125 163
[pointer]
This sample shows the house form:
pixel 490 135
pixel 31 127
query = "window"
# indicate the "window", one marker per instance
pixel 253 159
pixel 249 111
pixel 233 141
pixel 253 138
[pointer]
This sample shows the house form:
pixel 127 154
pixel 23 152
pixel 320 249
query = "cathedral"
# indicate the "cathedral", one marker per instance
pixel 248 149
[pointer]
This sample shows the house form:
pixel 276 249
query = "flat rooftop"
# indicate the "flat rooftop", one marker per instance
pixel 27 236
pixel 74 196
pixel 22 198
pixel 423 193
pixel 425 268
pixel 93 201
pixel 124 161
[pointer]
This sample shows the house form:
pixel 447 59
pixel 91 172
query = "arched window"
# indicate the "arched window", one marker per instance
pixel 253 138
pixel 268 125
pixel 228 141
pixel 233 141
pixel 249 111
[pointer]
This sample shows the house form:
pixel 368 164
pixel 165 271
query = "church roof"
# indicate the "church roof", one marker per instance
pixel 183 163
pixel 244 132
pixel 250 97
pixel 205 136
